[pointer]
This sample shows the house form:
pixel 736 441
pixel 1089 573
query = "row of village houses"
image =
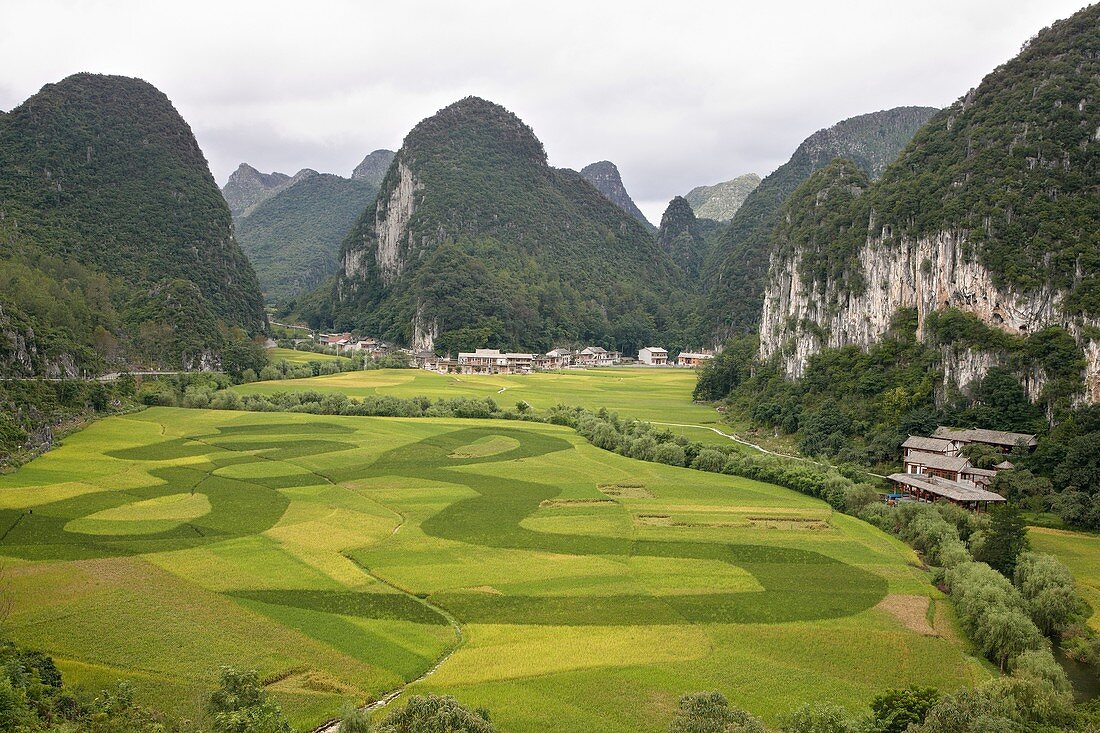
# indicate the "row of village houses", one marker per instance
pixel 494 361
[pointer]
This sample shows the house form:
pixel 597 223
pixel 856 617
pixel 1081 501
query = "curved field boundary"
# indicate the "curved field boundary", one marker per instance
pixel 798 584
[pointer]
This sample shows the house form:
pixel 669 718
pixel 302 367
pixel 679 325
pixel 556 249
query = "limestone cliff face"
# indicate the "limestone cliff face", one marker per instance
pixel 22 356
pixel 738 265
pixel 991 210
pixel 391 225
pixel 931 273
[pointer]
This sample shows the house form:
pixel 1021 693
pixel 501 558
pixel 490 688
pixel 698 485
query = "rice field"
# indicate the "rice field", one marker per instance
pixel 1080 551
pixel 294 356
pixel 563 587
pixel 661 395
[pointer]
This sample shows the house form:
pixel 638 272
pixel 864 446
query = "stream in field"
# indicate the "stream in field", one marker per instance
pixel 1085 681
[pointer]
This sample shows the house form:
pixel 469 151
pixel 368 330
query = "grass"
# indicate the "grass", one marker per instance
pixel 1080 551
pixel 662 395
pixel 294 356
pixel 337 553
pixel 148 516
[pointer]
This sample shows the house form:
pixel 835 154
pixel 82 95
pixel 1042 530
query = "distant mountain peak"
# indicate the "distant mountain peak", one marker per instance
pixel 605 178
pixel 722 200
pixel 247 186
pixel 470 222
pixel 475 125
pixel 684 236
pixel 374 166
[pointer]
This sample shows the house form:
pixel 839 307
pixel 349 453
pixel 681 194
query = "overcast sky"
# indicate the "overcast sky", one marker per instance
pixel 676 94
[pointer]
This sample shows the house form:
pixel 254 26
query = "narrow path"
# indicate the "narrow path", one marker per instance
pixel 291 325
pixel 332 726
pixel 754 446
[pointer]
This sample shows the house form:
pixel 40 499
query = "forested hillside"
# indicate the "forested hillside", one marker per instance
pixel 116 245
pixel 686 238
pixel 293 237
pixel 737 268
pixel 959 288
pixel 476 241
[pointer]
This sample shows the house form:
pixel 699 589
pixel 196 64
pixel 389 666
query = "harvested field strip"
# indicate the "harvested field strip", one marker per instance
pixel 912 611
pixel 577 502
pixel 625 491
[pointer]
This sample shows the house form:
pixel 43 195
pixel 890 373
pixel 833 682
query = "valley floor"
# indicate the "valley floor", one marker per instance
pixel 336 555
pixel 659 395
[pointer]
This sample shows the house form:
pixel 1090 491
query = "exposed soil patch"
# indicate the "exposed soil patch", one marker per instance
pixel 788 522
pixel 577 502
pixel 625 490
pixel 486 589
pixel 910 610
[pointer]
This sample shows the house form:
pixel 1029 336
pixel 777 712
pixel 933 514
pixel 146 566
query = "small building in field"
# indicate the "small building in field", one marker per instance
pixel 425 359
pixel 935 464
pixel 693 358
pixel 935 488
pixel 653 356
pixel 953 468
pixel 999 439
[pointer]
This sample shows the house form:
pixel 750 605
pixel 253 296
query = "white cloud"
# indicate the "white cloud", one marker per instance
pixel 675 95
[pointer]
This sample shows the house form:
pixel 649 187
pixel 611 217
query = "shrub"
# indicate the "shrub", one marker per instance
pixel 435 714
pixel 895 710
pixel 709 459
pixel 818 718
pixel 669 453
pixel 355 720
pixel 241 705
pixel 1048 588
pixel 710 712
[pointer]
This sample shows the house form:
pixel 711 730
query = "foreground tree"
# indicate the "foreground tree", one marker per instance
pixel 1050 592
pixel 241 705
pixel 242 354
pixel 1005 541
pixel 435 714
pixel 710 712
pixel 895 710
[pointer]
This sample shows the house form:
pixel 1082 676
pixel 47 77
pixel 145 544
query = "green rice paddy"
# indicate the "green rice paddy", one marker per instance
pixel 564 587
pixel 294 356
pixel 661 395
